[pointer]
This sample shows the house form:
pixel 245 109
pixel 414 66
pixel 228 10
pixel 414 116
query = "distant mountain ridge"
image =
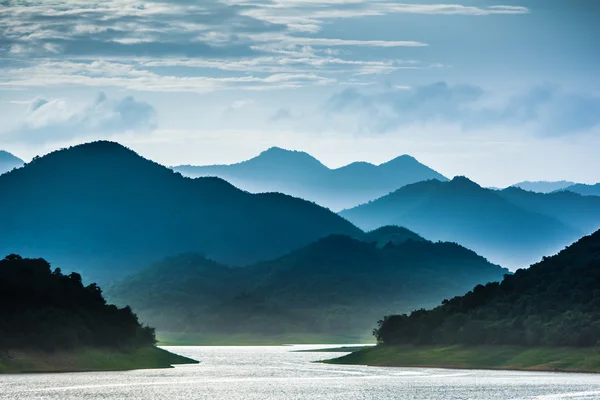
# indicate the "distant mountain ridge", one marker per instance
pixel 333 287
pixel 299 174
pixel 9 161
pixel 103 204
pixel 584 190
pixel 543 186
pixel 513 227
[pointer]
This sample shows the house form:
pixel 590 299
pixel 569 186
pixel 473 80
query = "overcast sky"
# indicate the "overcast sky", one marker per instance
pixel 498 91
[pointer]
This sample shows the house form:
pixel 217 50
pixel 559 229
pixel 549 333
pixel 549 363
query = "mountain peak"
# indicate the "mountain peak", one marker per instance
pixel 282 156
pixel 463 181
pixel 404 159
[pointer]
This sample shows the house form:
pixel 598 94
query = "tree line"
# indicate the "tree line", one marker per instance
pixel 556 302
pixel 46 309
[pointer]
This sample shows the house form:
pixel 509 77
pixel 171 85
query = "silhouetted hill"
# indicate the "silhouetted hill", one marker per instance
pixel 543 186
pixel 554 303
pixel 299 174
pixel 585 190
pixel 9 161
pixel 334 286
pixel 464 212
pixel 102 203
pixel 41 308
pixel 579 212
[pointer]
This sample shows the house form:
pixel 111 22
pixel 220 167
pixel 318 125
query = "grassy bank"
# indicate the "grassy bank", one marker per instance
pixel 478 357
pixel 88 359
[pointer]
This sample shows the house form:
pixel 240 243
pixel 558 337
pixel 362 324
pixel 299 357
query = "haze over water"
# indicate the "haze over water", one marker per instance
pixel 272 373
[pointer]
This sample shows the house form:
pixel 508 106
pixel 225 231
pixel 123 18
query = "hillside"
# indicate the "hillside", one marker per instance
pixel 9 161
pixel 103 204
pixel 333 287
pixel 462 211
pixel 585 190
pixel 52 322
pixel 299 174
pixel 555 302
pixel 576 211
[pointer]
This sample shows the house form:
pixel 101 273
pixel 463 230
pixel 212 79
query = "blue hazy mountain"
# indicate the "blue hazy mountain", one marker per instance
pixel 334 287
pixel 585 190
pixel 299 174
pixel 543 186
pixel 579 212
pixel 462 211
pixel 112 211
pixel 9 162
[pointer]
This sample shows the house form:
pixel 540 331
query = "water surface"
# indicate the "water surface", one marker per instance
pixel 269 373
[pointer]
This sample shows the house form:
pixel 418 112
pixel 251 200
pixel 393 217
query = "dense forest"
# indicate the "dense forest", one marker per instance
pixel 335 286
pixel 556 302
pixel 44 309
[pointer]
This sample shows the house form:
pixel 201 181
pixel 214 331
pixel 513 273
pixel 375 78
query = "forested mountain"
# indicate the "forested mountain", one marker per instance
pixel 9 161
pixel 480 219
pixel 42 308
pixel 554 303
pixel 543 186
pixel 103 204
pixel 301 175
pixel 585 190
pixel 332 287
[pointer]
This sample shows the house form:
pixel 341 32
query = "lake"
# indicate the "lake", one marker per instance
pixel 267 373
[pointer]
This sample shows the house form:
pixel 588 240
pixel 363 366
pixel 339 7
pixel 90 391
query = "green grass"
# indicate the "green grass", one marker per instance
pixel 88 359
pixel 478 357
pixel 198 339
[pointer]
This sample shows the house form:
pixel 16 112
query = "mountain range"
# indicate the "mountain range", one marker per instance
pixel 512 227
pixel 333 287
pixel 9 162
pixel 300 175
pixel 103 207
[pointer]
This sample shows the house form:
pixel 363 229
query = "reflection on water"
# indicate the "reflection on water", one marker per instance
pixel 265 373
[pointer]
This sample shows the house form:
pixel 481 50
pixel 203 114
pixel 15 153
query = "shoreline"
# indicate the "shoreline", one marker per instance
pixel 88 360
pixel 508 358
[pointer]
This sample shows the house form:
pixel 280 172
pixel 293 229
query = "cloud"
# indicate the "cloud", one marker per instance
pixel 58 119
pixel 200 46
pixel 549 110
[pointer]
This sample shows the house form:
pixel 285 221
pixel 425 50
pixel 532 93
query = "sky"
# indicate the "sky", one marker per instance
pixel 500 91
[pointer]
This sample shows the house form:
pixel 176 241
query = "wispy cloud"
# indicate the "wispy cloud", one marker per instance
pixel 252 45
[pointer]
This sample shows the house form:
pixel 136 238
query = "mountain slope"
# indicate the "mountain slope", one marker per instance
pixel 299 174
pixel 462 211
pixel 585 190
pixel 9 161
pixel 579 212
pixel 554 303
pixel 543 186
pixel 332 287
pixel 104 204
